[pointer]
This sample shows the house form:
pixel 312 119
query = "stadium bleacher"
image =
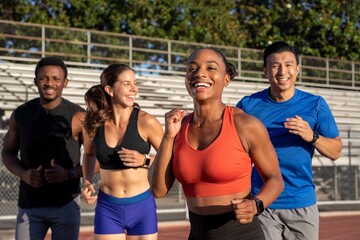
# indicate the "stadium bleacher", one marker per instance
pixel 158 94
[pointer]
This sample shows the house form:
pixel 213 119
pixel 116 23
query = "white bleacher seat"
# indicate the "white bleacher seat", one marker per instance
pixel 159 94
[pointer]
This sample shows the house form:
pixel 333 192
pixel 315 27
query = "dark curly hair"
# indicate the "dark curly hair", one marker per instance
pixel 230 68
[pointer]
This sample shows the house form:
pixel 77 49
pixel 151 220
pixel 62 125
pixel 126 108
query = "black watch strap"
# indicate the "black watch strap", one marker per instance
pixel 259 206
pixel 147 161
pixel 315 136
pixel 72 173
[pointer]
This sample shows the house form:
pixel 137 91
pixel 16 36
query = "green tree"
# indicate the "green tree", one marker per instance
pixel 327 28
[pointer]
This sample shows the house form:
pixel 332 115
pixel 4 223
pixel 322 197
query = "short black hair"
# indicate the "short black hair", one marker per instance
pixel 51 61
pixel 279 47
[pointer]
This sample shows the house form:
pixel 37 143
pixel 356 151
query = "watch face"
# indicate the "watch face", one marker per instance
pixel 72 173
pixel 259 206
pixel 147 160
pixel 315 136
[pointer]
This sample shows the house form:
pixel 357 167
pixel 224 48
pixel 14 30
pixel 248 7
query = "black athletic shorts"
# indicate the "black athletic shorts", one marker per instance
pixel 223 227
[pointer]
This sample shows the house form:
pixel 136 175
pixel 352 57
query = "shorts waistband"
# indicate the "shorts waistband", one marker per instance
pixel 227 216
pixel 130 200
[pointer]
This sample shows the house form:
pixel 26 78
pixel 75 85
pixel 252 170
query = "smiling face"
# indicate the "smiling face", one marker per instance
pixel 281 70
pixel 124 91
pixel 50 82
pixel 206 75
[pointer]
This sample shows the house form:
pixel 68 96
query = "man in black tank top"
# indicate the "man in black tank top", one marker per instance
pixel 49 141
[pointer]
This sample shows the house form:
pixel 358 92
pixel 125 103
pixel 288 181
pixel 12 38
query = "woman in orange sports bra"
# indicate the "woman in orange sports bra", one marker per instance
pixel 211 153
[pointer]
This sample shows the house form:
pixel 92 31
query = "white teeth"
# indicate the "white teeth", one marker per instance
pixel 49 91
pixel 202 85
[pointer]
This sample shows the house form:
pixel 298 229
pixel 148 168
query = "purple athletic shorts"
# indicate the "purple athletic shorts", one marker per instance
pixel 135 215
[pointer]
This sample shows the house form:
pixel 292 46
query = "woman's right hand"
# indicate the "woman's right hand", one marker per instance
pixel 88 192
pixel 173 122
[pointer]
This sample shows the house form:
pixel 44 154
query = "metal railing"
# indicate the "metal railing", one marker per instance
pixel 27 42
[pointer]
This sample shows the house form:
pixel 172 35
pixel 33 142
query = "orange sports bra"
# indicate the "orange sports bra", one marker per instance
pixel 222 168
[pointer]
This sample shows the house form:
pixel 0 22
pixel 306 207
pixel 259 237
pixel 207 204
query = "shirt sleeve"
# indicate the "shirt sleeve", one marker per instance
pixel 326 124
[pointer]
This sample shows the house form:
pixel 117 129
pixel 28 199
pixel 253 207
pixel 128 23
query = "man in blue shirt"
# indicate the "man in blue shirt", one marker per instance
pixel 297 122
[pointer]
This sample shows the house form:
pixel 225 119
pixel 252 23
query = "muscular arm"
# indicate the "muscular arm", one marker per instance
pixel 154 135
pixel 255 139
pixel 77 129
pixel 153 131
pixel 10 156
pixel 163 177
pixel 89 160
pixel 265 159
pixel 89 168
pixel 150 130
pixel 89 163
pixel 328 147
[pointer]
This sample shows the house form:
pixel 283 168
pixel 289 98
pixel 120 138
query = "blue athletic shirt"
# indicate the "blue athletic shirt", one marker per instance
pixel 294 154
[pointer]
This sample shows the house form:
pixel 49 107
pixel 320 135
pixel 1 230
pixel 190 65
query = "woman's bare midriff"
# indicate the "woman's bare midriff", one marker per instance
pixel 214 205
pixel 124 183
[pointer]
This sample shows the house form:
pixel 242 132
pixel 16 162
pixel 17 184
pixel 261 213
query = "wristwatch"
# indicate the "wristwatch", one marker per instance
pixel 72 173
pixel 147 161
pixel 315 136
pixel 259 206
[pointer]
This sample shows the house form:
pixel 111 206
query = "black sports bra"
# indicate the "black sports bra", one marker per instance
pixel 107 156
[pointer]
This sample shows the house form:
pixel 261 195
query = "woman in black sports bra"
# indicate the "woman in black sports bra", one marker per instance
pixel 119 135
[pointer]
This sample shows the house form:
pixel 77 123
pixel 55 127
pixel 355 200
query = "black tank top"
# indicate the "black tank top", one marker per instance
pixel 44 135
pixel 107 156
